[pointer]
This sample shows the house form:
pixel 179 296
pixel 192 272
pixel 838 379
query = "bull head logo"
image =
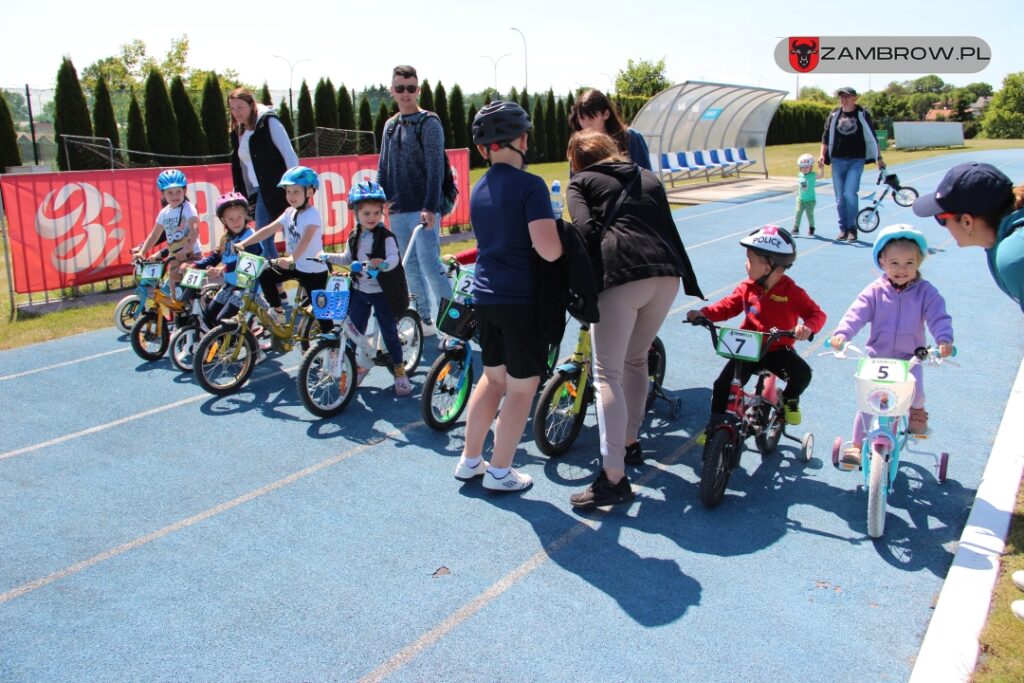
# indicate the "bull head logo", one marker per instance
pixel 803 54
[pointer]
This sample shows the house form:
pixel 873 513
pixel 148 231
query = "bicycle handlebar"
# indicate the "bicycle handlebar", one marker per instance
pixel 773 335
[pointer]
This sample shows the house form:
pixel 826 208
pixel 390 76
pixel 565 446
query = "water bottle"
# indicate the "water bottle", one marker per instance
pixel 556 199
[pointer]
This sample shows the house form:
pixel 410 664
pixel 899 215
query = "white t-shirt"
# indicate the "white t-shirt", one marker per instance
pixel 294 229
pixel 174 220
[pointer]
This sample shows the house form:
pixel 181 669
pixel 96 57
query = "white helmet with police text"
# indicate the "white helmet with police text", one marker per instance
pixel 775 244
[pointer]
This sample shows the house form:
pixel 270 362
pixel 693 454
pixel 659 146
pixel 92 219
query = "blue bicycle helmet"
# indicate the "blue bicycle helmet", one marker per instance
pixel 171 178
pixel 895 232
pixel 366 191
pixel 300 175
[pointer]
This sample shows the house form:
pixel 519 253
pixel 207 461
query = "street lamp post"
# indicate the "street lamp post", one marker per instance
pixel 291 71
pixel 495 63
pixel 526 66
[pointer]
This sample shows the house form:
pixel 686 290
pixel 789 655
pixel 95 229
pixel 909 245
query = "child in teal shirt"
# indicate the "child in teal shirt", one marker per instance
pixel 805 197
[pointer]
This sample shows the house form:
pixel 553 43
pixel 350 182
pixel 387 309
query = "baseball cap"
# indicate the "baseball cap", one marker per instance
pixel 846 90
pixel 974 188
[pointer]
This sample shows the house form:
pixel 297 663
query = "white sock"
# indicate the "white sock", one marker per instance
pixel 471 462
pixel 498 472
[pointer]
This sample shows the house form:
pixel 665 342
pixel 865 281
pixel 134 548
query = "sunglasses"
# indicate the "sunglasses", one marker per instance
pixel 405 88
pixel 943 217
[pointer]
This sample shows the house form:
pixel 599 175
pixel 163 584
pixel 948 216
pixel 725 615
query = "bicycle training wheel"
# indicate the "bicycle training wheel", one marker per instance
pixel 556 422
pixel 224 359
pixel 126 313
pixel 150 336
pixel 716 467
pixel 657 361
pixel 905 196
pixel 867 220
pixel 446 389
pixel 327 381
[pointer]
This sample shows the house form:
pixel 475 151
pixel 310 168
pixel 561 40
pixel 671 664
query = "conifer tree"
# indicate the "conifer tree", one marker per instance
pixel 138 147
pixel 9 154
pixel 265 97
pixel 346 112
pixel 71 117
pixel 426 96
pixel 214 116
pixel 383 114
pixel 475 160
pixel 284 114
pixel 365 115
pixel 104 125
pixel 161 126
pixel 552 152
pixel 326 104
pixel 457 116
pixel 538 145
pixel 191 139
pixel 306 120
pixel 513 95
pixel 562 126
pixel 441 100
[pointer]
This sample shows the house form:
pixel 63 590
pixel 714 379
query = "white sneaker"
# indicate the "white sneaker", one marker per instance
pixel 1017 607
pixel 513 481
pixel 429 330
pixel 464 472
pixel 1018 579
pixel 442 342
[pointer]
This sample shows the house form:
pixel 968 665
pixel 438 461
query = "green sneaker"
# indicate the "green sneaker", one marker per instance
pixel 791 408
pixel 702 438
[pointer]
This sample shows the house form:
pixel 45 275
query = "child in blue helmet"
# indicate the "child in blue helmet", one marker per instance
pixel 177 222
pixel 897 306
pixel 387 294
pixel 304 239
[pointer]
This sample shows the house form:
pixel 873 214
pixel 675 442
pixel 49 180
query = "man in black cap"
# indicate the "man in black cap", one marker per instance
pixel 847 144
pixel 979 206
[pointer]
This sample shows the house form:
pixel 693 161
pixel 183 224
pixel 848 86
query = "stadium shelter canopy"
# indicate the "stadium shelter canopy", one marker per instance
pixel 701 116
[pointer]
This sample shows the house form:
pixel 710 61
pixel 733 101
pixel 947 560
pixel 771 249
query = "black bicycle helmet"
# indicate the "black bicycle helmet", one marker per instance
pixel 499 123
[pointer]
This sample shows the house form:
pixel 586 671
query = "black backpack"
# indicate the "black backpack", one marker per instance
pixel 566 285
pixel 449 191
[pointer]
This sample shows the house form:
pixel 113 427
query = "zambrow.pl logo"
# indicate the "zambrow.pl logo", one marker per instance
pixel 883 54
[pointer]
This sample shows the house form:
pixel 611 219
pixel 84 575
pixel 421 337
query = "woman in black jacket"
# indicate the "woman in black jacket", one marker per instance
pixel 639 258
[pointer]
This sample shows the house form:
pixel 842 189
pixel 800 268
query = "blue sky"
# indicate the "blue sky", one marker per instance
pixel 567 44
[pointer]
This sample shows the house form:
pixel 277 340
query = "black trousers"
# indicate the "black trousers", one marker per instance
pixel 270 278
pixel 784 363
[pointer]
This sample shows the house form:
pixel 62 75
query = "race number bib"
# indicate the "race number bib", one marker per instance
pixel 194 278
pixel 337 283
pixel 883 370
pixel 739 344
pixel 150 272
pixel 464 285
pixel 248 269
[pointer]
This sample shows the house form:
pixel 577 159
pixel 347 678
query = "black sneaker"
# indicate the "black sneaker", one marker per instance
pixel 810 230
pixel 602 492
pixel 634 454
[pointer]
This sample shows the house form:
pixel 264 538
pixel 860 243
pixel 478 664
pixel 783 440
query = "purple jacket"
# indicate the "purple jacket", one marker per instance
pixel 897 317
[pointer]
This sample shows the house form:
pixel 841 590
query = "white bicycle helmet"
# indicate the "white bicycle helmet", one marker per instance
pixel 805 161
pixel 775 244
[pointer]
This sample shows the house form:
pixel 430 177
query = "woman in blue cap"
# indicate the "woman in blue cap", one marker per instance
pixel 979 206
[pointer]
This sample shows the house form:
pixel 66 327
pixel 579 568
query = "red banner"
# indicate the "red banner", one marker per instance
pixel 68 229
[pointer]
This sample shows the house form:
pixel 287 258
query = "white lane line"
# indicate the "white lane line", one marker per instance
pixel 36 584
pixel 125 420
pixel 64 364
pixel 950 648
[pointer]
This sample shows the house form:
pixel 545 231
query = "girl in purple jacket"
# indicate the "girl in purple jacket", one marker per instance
pixel 897 306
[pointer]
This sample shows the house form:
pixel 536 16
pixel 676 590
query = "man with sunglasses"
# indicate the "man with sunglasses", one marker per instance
pixel 411 171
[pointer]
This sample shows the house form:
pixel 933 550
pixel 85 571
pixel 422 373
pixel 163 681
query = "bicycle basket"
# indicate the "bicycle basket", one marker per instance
pixel 884 386
pixel 456 319
pixel 150 272
pixel 329 305
pixel 248 269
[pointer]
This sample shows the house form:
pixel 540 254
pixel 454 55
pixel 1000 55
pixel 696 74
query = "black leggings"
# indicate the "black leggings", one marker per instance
pixel 270 278
pixel 784 363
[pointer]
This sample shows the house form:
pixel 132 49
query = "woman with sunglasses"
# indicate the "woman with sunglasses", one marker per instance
pixel 979 206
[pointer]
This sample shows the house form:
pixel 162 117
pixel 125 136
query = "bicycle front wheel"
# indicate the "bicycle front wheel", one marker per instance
pixel 905 196
pixel 150 336
pixel 183 346
pixel 716 467
pixel 224 359
pixel 878 494
pixel 327 378
pixel 556 422
pixel 126 313
pixel 867 220
pixel 410 333
pixel 446 389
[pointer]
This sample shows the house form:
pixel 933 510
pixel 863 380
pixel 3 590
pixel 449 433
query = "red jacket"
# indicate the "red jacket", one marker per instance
pixel 783 307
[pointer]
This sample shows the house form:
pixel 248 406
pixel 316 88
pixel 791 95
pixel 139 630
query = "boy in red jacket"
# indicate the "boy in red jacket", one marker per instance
pixel 767 298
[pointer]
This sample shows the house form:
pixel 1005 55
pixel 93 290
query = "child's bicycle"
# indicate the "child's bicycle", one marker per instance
pixel 150 335
pixel 328 376
pixel 569 391
pixel 226 355
pixel 447 386
pixel 867 218
pixel 759 414
pixel 885 391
